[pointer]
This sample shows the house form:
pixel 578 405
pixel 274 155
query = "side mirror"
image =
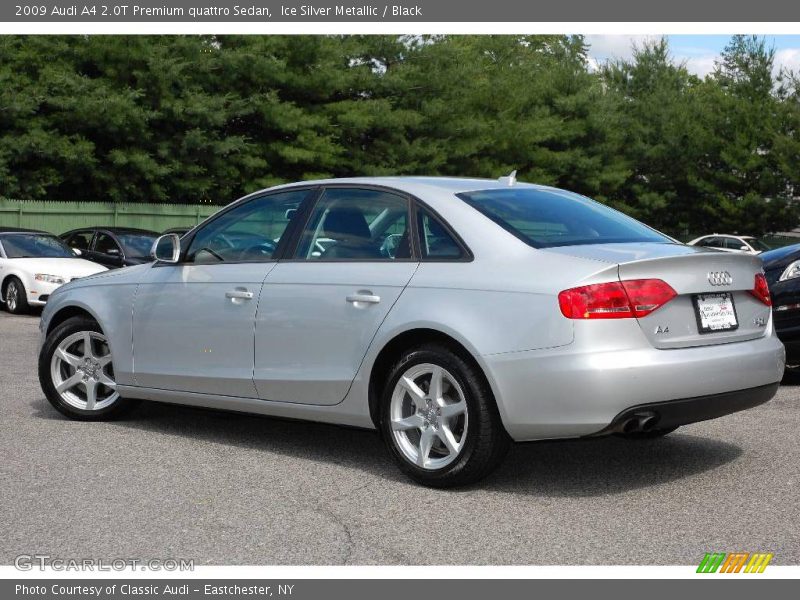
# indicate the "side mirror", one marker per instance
pixel 113 252
pixel 77 252
pixel 167 248
pixel 290 213
pixel 745 248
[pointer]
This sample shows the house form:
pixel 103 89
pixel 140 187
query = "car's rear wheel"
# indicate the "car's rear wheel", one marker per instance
pixel 439 418
pixel 16 300
pixel 76 372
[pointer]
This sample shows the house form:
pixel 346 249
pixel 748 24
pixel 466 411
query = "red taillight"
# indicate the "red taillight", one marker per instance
pixel 761 289
pixel 615 300
pixel 647 295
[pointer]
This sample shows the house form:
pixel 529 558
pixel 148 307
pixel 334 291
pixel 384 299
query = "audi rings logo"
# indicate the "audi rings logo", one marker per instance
pixel 718 278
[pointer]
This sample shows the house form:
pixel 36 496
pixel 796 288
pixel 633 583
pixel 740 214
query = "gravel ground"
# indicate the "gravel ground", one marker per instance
pixel 224 488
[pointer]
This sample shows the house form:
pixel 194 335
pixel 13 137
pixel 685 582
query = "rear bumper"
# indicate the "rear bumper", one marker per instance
pixel 574 392
pixel 674 413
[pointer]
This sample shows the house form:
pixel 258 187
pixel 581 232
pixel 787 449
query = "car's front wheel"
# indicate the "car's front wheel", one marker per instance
pixel 76 372
pixel 16 300
pixel 439 418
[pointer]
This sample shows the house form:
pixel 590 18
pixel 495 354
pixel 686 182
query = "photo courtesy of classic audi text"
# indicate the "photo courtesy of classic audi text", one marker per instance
pixel 400 299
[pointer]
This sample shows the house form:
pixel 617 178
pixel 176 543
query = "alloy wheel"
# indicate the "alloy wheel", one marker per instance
pixel 12 296
pixel 82 371
pixel 429 416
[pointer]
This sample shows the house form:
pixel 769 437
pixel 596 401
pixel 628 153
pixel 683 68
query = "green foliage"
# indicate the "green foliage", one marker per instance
pixel 191 119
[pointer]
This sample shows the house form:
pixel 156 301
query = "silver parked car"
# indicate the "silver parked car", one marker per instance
pixel 453 315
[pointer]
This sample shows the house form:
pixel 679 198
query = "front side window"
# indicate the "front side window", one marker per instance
pixel 357 224
pixel 435 241
pixel 35 245
pixel 105 244
pixel 137 245
pixel 81 240
pixel 549 217
pixel 758 245
pixel 732 243
pixel 248 233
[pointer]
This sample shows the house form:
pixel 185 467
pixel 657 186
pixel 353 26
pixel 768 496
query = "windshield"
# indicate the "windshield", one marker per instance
pixel 136 245
pixel 550 217
pixel 757 244
pixel 35 245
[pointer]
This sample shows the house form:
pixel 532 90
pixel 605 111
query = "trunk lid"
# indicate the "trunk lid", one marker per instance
pixel 690 271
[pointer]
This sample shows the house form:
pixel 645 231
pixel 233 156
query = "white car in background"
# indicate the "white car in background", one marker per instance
pixel 33 264
pixel 731 243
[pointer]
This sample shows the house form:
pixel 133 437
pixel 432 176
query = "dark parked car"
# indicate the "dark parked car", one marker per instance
pixel 782 268
pixel 112 246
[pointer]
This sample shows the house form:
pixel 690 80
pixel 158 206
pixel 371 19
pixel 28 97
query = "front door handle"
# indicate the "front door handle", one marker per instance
pixel 363 296
pixel 239 295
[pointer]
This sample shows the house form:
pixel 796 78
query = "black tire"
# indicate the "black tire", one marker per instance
pixel 487 441
pixel 647 435
pixel 15 289
pixel 69 327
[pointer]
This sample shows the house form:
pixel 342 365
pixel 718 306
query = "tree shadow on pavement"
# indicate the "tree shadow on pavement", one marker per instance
pixel 573 468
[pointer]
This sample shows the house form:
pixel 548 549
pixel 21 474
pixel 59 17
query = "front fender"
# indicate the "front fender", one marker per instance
pixel 112 307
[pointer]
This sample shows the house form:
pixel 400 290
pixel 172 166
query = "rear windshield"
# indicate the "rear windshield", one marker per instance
pixel 546 217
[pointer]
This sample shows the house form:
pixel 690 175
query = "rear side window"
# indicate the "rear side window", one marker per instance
pixel 548 217
pixel 711 242
pixel 435 241
pixel 357 224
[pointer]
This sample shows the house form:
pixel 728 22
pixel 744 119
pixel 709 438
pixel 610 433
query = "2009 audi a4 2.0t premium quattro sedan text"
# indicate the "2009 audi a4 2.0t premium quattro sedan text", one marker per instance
pixel 453 315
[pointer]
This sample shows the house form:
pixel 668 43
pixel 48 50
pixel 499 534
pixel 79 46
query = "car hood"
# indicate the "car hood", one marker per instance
pixel 68 268
pixel 780 257
pixel 630 252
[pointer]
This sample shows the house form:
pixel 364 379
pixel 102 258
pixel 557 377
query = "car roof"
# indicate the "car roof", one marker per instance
pixel 409 184
pixel 21 230
pixel 730 235
pixel 112 230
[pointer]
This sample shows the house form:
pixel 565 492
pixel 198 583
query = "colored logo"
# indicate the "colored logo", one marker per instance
pixel 734 562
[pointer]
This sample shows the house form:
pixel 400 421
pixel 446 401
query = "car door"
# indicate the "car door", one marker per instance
pixel 320 309
pixel 106 251
pixel 193 321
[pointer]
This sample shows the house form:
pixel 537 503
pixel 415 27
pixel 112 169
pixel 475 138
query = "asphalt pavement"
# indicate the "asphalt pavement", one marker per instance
pixel 224 488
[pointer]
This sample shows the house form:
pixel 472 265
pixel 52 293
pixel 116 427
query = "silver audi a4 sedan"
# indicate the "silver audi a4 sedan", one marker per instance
pixel 453 315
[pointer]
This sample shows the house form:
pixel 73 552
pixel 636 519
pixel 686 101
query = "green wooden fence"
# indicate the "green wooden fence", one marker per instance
pixel 58 217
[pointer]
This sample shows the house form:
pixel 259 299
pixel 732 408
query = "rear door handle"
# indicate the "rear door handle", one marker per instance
pixel 239 295
pixel 364 296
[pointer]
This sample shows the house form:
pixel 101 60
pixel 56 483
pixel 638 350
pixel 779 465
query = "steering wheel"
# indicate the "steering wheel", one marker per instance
pixel 390 244
pixel 211 252
pixel 262 250
pixel 220 240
